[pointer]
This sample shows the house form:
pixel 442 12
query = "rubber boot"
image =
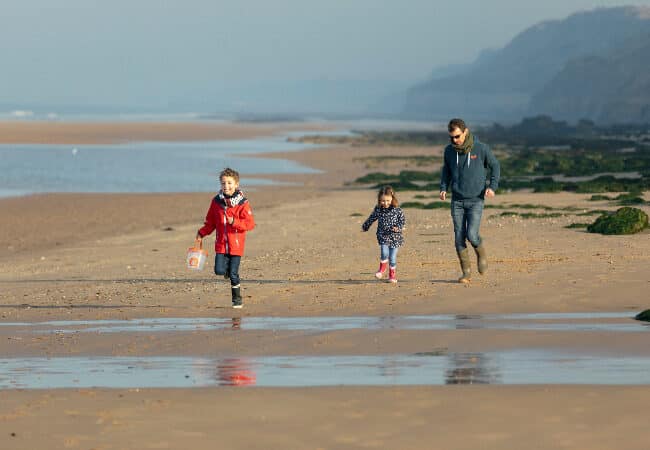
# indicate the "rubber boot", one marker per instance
pixel 236 297
pixel 463 257
pixel 382 269
pixel 481 259
pixel 391 275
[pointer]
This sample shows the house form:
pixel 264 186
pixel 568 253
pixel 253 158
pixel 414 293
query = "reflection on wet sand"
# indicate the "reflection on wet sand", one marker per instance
pixel 435 367
pixel 471 368
pixel 235 372
pixel 467 322
pixel 614 322
pixel 507 367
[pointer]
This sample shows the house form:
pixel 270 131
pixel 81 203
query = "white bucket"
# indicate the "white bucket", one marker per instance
pixel 196 256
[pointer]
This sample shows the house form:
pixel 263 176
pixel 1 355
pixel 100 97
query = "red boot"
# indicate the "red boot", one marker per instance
pixel 382 269
pixel 391 275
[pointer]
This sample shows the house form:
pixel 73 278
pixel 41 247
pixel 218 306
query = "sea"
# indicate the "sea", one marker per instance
pixel 142 167
pixel 139 167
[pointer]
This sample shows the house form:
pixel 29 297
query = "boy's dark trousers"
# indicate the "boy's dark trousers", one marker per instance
pixel 225 264
pixel 228 265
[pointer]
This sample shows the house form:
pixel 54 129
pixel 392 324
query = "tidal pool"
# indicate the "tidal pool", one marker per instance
pixel 504 368
pixel 613 321
pixel 438 367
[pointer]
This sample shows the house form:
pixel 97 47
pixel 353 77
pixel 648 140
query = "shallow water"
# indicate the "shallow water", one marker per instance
pixel 438 367
pixel 139 167
pixel 608 321
pixel 510 367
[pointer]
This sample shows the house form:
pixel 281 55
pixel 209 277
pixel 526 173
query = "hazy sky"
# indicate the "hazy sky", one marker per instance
pixel 139 51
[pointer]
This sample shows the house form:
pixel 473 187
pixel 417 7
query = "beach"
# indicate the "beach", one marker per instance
pixel 74 256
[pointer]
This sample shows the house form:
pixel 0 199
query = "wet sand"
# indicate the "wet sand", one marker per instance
pixel 52 132
pixel 103 256
pixel 451 417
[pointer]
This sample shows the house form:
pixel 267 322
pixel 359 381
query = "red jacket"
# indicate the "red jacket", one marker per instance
pixel 230 239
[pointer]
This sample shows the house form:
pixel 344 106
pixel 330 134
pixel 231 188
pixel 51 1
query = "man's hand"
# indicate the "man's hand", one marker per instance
pixel 489 193
pixel 443 195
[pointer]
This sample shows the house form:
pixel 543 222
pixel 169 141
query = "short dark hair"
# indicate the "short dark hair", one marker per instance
pixel 228 172
pixel 388 190
pixel 456 123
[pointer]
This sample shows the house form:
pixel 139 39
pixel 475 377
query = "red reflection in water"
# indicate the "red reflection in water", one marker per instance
pixel 235 372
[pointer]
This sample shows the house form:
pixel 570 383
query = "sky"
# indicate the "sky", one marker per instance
pixel 182 53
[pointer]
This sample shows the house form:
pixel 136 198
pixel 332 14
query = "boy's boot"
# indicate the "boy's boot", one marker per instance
pixel 481 259
pixel 236 297
pixel 463 257
pixel 382 269
pixel 391 275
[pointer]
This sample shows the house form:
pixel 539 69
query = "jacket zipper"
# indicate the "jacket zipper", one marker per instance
pixel 225 227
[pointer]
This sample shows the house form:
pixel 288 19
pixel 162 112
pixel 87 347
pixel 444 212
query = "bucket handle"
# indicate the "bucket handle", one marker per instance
pixel 198 243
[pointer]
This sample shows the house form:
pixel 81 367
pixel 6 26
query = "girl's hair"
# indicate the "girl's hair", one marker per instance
pixel 388 191
pixel 228 172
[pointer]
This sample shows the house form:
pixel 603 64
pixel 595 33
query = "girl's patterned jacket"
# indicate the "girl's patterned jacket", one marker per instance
pixel 230 238
pixel 387 218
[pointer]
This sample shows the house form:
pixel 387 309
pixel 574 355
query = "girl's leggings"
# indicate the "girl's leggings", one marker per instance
pixel 389 253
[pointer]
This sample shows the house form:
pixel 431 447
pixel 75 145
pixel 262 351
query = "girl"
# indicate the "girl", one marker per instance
pixel 390 223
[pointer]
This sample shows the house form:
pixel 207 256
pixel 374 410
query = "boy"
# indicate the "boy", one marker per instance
pixel 231 216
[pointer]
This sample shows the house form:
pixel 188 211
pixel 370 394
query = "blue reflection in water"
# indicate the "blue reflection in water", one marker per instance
pixel 508 367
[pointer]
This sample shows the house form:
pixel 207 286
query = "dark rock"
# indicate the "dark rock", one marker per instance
pixel 626 220
pixel 643 315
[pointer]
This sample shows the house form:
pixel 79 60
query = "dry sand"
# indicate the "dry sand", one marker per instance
pixel 90 256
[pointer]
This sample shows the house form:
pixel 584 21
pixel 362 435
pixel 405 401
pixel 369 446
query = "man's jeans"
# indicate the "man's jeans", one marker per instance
pixel 466 215
pixel 389 253
pixel 228 264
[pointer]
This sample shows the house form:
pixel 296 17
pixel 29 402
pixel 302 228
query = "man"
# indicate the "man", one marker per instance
pixel 464 171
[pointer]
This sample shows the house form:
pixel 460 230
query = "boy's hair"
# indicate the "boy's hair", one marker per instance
pixel 387 190
pixel 228 172
pixel 456 123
